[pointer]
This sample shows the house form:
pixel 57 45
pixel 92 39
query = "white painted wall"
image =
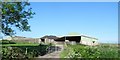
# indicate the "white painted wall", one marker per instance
pixel 88 41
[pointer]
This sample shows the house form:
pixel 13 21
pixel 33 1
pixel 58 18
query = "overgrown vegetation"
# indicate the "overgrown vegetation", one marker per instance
pixel 81 51
pixel 23 51
pixel 20 51
pixel 26 51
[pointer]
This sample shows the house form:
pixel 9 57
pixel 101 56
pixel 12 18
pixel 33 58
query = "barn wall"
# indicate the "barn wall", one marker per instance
pixel 59 42
pixel 49 40
pixel 88 41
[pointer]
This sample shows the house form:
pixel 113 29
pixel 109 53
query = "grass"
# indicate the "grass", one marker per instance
pixel 19 45
pixel 11 43
pixel 64 53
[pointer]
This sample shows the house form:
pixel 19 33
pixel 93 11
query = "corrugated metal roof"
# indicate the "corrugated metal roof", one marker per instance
pixel 80 35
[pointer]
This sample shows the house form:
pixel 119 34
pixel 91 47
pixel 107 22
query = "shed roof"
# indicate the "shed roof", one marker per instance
pixel 49 37
pixel 81 36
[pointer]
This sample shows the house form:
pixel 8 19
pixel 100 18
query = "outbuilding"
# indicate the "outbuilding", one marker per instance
pixel 82 39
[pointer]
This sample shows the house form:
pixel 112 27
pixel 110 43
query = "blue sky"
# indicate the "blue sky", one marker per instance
pixel 96 19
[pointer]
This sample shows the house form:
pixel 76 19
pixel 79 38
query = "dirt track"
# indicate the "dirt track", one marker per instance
pixel 55 53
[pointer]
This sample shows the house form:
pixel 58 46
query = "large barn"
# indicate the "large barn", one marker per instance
pixel 82 39
pixel 71 39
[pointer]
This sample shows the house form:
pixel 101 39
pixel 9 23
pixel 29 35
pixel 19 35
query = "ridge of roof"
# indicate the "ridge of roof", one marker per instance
pixel 49 36
pixel 83 36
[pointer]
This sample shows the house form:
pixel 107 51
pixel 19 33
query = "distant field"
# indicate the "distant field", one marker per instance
pixel 109 44
pixel 19 45
pixel 11 43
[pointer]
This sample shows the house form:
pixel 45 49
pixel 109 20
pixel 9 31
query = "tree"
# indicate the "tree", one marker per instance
pixel 15 15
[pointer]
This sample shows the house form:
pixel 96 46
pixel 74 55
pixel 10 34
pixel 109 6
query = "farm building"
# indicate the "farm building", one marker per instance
pixel 82 39
pixel 48 39
pixel 70 39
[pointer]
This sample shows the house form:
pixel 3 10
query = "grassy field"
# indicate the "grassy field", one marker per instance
pixel 19 45
pixel 11 43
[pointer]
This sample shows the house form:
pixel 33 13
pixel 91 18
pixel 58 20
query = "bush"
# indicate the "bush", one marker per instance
pixel 12 52
pixel 25 52
pixel 77 51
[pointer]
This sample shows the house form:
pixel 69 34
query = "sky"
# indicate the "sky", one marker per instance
pixel 95 19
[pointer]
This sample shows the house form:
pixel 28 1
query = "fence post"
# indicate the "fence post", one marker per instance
pixel 26 51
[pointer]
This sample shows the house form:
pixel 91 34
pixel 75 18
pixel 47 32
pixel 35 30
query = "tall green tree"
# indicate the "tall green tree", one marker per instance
pixel 15 15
